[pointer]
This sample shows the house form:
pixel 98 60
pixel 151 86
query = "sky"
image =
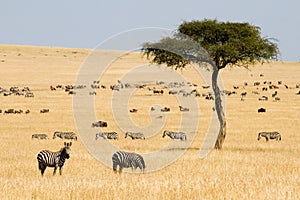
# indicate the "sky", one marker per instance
pixel 85 24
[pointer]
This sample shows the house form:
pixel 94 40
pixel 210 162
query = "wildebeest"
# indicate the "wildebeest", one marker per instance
pixel 274 94
pixel 7 93
pixel 277 99
pixel 18 111
pixel 71 92
pixel 52 88
pixel 44 111
pixel 208 96
pixel 165 109
pixel 115 87
pixel 29 94
pixel 158 91
pixel 135 135
pixel 263 98
pixel 99 124
pixel 243 94
pixel 133 110
pixel 182 109
pixel 173 92
pixel 264 89
pixel 273 87
pixel 9 111
pixel 40 136
pixel 269 136
pixel 260 110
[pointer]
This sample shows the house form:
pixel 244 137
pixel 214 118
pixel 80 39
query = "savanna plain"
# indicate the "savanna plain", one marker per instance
pixel 245 168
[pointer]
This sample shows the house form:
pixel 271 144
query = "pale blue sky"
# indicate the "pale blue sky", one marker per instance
pixel 85 24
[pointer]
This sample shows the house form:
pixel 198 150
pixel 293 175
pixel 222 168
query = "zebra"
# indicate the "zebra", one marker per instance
pixel 40 136
pixel 135 135
pixel 127 159
pixel 48 158
pixel 107 135
pixel 103 135
pixel 174 135
pixel 269 136
pixel 65 135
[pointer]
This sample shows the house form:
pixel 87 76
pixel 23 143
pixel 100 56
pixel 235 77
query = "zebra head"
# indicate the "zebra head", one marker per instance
pixel 259 136
pixel 164 134
pixel 65 152
pixel 127 134
pixel 56 134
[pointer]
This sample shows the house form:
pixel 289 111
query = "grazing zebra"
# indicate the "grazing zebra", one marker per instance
pixel 40 136
pixel 126 160
pixel 54 159
pixel 65 135
pixel 107 135
pixel 269 136
pixel 135 135
pixel 175 135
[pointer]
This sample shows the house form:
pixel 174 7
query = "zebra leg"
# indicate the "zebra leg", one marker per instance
pixel 115 166
pixel 60 170
pixel 42 168
pixel 54 170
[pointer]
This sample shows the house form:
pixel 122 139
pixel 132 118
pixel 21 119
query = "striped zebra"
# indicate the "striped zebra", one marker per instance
pixel 135 135
pixel 269 136
pixel 126 160
pixel 174 135
pixel 54 159
pixel 107 135
pixel 65 135
pixel 40 136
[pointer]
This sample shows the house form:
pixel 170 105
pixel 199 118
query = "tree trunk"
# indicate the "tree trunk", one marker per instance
pixel 219 109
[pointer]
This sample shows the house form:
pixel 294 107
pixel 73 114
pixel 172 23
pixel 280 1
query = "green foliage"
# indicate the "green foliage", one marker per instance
pixel 166 52
pixel 226 43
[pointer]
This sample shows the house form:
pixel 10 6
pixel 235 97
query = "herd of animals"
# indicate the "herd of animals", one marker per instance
pixel 133 160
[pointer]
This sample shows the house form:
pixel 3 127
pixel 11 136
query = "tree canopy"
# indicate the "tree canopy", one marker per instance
pixel 226 43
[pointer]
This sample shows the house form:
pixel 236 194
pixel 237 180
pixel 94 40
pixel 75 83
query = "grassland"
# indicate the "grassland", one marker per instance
pixel 244 169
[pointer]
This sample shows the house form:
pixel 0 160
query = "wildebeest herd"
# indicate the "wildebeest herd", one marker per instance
pixel 133 160
pixel 14 90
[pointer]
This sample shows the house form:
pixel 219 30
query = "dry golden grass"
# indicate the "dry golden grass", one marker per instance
pixel 244 169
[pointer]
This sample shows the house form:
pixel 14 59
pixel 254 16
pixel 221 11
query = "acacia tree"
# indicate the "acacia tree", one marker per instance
pixel 217 44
